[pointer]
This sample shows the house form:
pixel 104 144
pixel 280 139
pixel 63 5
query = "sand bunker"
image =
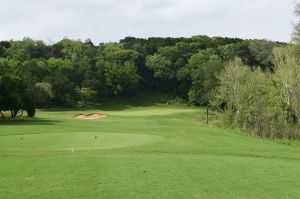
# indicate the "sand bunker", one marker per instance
pixel 93 116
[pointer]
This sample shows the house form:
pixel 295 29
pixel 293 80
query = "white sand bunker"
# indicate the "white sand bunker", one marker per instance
pixel 93 116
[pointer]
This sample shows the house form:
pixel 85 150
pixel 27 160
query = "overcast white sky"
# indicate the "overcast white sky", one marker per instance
pixel 111 20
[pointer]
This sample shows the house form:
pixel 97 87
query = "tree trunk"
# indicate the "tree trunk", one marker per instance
pixel 206 113
pixel 13 113
pixel 2 115
pixel 20 113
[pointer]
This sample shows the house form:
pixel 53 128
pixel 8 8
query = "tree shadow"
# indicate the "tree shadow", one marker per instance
pixel 27 121
pixel 113 104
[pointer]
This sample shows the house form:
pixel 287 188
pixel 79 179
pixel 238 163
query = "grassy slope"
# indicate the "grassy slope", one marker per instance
pixel 179 157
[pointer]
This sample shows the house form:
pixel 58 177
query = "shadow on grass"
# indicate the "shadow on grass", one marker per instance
pixel 105 106
pixel 113 104
pixel 28 121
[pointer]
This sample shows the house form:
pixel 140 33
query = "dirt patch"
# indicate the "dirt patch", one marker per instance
pixel 93 116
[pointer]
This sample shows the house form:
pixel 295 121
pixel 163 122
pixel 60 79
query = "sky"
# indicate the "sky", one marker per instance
pixel 112 20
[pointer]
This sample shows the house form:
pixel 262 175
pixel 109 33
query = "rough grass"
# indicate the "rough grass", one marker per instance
pixel 141 151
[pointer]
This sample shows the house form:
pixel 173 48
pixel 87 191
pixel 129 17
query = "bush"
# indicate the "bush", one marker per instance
pixel 252 102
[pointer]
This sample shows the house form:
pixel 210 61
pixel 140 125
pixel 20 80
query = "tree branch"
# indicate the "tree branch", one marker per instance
pixel 2 115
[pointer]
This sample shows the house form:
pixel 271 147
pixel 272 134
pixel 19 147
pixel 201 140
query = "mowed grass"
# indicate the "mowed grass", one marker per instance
pixel 141 152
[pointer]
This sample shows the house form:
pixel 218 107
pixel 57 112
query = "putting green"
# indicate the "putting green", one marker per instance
pixel 74 141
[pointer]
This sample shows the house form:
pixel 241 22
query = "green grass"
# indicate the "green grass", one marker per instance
pixel 141 151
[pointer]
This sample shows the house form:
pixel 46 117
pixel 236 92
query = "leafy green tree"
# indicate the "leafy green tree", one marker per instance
pixel 262 52
pixel 35 49
pixel 14 97
pixel 183 66
pixel 71 49
pixel 64 90
pixel 121 78
pixel 251 100
pixel 204 81
pixel 120 70
pixel 202 42
pixel 3 46
pixel 32 71
pixel 94 80
pixel 200 72
pixel 62 77
pixel 161 66
pixel 170 52
pixel 235 90
pixel 239 49
pixel 87 95
pixel 287 71
pixel 165 65
pixel 43 94
pixel 16 53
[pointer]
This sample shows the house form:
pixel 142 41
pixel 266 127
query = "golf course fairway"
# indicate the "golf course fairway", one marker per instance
pixel 141 152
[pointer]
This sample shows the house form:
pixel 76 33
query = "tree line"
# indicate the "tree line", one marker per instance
pixel 266 102
pixel 72 71
pixel 254 83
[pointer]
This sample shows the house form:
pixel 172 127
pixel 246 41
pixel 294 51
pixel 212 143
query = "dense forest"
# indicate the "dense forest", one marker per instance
pixel 254 84
pixel 72 71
